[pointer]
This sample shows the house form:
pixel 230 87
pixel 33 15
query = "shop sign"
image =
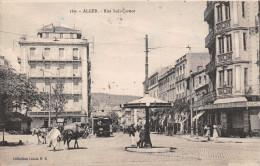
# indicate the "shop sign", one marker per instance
pixel 225 105
pixel 253 104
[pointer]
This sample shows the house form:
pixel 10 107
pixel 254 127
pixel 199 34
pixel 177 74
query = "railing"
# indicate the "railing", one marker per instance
pixel 209 38
pixel 209 10
pixel 225 57
pixel 46 113
pixel 42 57
pixel 221 26
pixel 210 67
pixel 224 91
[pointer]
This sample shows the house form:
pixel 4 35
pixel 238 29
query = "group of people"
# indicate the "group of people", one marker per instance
pixel 207 130
pixel 132 131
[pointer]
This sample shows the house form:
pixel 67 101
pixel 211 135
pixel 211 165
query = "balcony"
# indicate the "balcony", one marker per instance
pixel 226 57
pixel 210 67
pixel 209 10
pixel 53 114
pixel 224 91
pixel 209 38
pixel 222 26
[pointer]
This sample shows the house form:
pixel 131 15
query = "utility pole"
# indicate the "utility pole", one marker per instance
pixel 258 57
pixel 147 125
pixel 146 64
pixel 49 123
pixel 191 112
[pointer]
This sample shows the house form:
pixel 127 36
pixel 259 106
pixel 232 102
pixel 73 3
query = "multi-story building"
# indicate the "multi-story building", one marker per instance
pixel 58 54
pixel 3 61
pixel 171 84
pixel 153 88
pixel 233 43
pixel 184 66
pixel 163 82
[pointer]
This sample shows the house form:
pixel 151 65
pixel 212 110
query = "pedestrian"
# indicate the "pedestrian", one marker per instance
pixel 207 127
pixel 215 133
pixel 132 134
pixel 140 143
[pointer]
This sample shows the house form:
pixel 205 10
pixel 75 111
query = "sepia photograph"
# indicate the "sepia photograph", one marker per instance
pixel 129 83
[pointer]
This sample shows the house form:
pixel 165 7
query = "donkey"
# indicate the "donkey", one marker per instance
pixel 69 135
pixel 40 133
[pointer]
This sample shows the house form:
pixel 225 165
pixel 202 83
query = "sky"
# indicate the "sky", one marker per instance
pixel 117 42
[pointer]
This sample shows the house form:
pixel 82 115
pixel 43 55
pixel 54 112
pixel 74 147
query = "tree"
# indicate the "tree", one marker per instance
pixel 17 91
pixel 114 116
pixel 180 108
pixel 58 99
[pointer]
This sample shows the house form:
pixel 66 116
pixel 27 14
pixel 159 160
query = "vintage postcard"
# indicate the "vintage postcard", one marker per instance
pixel 129 82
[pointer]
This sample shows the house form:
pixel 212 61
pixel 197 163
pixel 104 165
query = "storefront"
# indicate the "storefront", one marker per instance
pixel 236 119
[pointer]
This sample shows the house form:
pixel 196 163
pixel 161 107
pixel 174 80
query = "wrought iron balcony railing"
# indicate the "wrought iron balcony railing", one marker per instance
pixel 222 26
pixel 224 91
pixel 226 57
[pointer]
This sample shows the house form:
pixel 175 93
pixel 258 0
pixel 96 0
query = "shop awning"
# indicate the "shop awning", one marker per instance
pixel 230 100
pixel 198 115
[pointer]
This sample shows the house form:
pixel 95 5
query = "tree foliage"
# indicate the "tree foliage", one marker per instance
pixel 17 90
pixel 58 99
pixel 181 107
pixel 114 116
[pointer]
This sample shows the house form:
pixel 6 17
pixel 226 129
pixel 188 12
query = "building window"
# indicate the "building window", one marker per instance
pixel 45 122
pixel 76 99
pixel 75 66
pixel 61 35
pixel 221 45
pixel 205 79
pixel 229 43
pixel 193 82
pixel 47 35
pixel 219 10
pixel 32 51
pixel 61 66
pixel 246 76
pixel 33 83
pixel 75 53
pixel 47 66
pixel 243 9
pixel 76 120
pixel 227 10
pixel 47 82
pixel 75 82
pixel 199 79
pixel 61 52
pixel 229 77
pixel 46 52
pixel 244 41
pixel 33 66
pixel 221 78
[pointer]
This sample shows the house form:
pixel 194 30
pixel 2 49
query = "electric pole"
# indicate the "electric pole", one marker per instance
pixel 146 64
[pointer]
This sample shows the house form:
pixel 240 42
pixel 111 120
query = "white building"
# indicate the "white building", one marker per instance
pixel 58 53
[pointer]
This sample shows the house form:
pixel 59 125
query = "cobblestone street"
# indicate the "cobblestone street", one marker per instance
pixel 111 151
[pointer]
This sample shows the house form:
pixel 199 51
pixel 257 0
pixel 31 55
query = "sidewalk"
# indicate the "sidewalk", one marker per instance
pixel 216 140
pixel 220 139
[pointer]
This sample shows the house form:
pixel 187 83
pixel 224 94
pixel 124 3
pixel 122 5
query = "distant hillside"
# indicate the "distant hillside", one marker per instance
pixel 104 101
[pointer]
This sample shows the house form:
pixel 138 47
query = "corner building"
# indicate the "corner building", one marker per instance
pixel 233 43
pixel 58 54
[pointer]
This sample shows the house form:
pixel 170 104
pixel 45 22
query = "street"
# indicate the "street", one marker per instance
pixel 111 151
